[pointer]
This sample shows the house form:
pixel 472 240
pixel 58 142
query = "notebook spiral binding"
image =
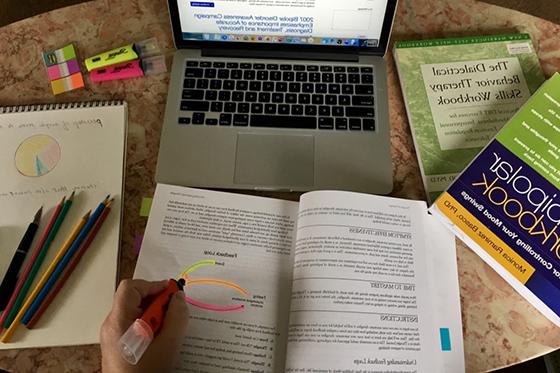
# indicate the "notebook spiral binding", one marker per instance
pixel 58 106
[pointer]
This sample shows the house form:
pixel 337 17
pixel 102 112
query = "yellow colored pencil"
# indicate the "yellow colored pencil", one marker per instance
pixel 10 331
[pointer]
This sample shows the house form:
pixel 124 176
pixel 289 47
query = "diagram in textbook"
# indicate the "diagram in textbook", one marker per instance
pixel 37 155
pixel 211 307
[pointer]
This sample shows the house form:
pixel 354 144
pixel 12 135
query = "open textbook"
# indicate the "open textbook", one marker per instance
pixel 340 282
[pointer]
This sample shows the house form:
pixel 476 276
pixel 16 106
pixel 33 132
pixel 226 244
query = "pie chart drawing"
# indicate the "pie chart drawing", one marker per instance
pixel 37 155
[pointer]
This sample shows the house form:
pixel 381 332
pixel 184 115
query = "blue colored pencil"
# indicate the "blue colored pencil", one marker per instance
pixel 63 263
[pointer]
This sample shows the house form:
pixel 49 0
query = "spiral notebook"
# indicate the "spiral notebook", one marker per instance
pixel 46 152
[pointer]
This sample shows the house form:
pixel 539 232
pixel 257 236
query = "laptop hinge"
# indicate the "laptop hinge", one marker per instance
pixel 300 55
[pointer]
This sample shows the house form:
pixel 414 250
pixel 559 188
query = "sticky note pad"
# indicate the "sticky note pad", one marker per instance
pixel 59 55
pixel 63 69
pixel 68 83
pixel 146 206
pixel 445 339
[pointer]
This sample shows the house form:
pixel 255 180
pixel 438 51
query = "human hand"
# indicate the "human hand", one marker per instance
pixel 127 307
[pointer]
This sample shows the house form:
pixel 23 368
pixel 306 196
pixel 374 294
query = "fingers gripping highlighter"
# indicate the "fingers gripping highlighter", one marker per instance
pixel 138 337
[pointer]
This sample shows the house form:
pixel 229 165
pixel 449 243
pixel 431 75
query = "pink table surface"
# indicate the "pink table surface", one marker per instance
pixel 500 328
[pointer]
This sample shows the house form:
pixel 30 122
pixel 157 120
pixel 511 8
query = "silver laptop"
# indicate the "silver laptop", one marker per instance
pixel 278 95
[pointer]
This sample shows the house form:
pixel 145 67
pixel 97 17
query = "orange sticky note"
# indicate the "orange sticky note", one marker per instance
pixel 77 80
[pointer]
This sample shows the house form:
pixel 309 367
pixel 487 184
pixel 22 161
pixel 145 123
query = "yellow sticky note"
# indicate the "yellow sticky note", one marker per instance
pixel 146 206
pixel 58 86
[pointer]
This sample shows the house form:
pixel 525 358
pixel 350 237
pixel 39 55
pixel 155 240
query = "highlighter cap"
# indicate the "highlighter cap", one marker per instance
pixel 147 48
pixel 135 341
pixel 154 65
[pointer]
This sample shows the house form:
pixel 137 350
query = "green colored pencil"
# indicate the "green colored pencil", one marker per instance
pixel 40 258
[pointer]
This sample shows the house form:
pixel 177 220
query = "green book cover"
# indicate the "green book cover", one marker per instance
pixel 459 93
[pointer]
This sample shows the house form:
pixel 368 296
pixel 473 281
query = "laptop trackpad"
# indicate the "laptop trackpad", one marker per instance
pixel 274 160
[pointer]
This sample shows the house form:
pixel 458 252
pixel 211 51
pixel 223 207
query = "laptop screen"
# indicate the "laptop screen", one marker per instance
pixel 356 23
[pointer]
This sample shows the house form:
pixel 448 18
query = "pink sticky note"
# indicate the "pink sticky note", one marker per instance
pixel 54 72
pixel 137 243
pixel 63 69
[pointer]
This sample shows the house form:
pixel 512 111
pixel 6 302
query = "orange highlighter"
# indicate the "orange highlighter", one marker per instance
pixel 138 337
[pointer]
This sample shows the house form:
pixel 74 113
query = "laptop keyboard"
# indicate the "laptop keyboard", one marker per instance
pixel 306 96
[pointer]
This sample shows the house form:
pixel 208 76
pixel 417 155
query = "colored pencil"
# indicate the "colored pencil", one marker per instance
pixel 52 266
pixel 11 277
pixel 11 329
pixel 69 269
pixel 64 261
pixel 36 252
pixel 37 263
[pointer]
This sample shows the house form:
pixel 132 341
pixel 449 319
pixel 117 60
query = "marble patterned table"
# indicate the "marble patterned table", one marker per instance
pixel 500 328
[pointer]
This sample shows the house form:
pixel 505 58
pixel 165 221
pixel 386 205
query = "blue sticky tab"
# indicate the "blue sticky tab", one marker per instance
pixel 445 339
pixel 50 58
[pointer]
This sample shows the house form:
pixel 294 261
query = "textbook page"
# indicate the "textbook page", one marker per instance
pixel 361 300
pixel 223 238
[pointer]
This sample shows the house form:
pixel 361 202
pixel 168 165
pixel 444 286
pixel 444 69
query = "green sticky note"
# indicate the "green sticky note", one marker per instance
pixel 146 206
pixel 57 56
pixel 68 52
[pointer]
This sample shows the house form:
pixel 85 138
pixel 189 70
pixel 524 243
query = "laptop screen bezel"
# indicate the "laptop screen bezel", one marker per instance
pixel 318 48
